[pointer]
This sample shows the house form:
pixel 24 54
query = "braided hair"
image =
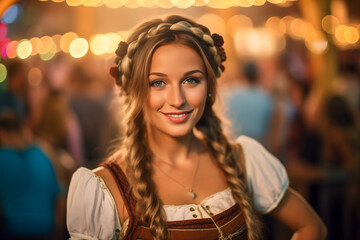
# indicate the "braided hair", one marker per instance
pixel 131 73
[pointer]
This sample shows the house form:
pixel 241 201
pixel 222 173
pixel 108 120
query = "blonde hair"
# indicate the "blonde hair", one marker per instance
pixel 133 66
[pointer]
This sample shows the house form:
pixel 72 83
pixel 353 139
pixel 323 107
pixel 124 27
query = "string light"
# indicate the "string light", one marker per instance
pixel 24 49
pixel 173 3
pixel 78 47
pixel 11 49
pixel 240 27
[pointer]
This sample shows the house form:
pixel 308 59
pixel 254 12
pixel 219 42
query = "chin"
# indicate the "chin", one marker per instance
pixel 177 132
pixel 180 133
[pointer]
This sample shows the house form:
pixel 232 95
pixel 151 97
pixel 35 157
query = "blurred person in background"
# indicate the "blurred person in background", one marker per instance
pixel 52 130
pixel 30 195
pixel 304 144
pixel 17 84
pixel 249 108
pixel 88 99
pixel 348 84
pixel 341 158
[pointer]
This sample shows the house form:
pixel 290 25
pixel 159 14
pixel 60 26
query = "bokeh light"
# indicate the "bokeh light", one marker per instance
pixel 200 3
pixel 11 49
pixel 285 23
pixel 11 14
pixel 276 1
pixel 351 35
pixel 66 39
pixel 78 47
pixel 35 76
pixel 244 3
pixel 148 3
pixel 220 4
pixel 93 3
pixel 131 4
pixel 316 42
pixel 74 3
pixel 46 44
pixel 48 55
pixel 299 28
pixel 215 23
pixel 114 41
pixel 24 49
pixel 3 30
pixel 340 33
pixel 329 23
pixel 99 44
pixel 238 21
pixel 258 42
pixel 36 45
pixel 164 4
pixel 113 3
pixel 182 3
pixel 276 24
pixel 3 46
pixel 3 72
pixel 259 2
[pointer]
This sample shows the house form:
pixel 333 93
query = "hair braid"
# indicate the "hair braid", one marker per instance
pixel 139 171
pixel 227 158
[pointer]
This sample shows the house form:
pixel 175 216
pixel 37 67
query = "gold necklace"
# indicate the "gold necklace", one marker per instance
pixel 190 190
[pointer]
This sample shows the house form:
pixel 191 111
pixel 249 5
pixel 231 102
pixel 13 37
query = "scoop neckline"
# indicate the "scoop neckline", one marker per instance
pixel 201 203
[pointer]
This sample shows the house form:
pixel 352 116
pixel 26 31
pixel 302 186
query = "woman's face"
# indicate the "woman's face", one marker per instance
pixel 177 90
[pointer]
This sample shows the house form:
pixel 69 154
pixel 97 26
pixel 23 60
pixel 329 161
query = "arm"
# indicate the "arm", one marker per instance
pixel 298 215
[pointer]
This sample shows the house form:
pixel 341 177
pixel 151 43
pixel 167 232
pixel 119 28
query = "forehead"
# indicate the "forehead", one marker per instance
pixel 175 55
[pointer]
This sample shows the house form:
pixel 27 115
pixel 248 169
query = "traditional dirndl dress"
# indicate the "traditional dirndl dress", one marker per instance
pixel 229 224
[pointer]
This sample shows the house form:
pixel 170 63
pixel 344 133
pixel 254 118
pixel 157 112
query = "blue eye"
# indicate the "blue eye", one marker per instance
pixel 157 83
pixel 191 80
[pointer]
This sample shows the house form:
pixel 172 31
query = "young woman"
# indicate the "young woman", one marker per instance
pixel 175 174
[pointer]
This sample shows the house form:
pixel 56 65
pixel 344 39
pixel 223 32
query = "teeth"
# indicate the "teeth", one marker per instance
pixel 177 115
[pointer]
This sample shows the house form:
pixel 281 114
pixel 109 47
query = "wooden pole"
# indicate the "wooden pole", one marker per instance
pixel 323 66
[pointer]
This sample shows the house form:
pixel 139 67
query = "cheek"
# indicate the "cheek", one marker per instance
pixel 197 98
pixel 154 101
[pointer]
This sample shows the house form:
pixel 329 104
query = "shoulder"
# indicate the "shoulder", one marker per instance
pixel 38 151
pixel 267 179
pixel 91 211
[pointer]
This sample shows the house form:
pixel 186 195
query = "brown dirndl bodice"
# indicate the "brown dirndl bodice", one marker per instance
pixel 231 222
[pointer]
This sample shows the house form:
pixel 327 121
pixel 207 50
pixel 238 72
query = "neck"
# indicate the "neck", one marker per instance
pixel 165 146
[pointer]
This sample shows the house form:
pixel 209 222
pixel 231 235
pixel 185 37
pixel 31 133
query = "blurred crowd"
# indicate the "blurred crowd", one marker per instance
pixel 314 133
pixel 60 115
pixel 54 118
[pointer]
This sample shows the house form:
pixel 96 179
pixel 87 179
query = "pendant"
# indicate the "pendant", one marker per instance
pixel 192 194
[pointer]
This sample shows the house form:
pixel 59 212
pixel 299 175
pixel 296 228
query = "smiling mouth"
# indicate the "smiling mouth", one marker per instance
pixel 178 117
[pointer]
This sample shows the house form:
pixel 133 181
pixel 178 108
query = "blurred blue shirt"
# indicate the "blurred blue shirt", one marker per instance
pixel 28 190
pixel 249 110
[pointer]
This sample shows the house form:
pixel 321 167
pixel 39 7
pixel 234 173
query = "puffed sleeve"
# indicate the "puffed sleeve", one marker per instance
pixel 266 176
pixel 91 209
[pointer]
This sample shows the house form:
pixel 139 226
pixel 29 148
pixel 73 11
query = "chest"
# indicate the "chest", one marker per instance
pixel 189 186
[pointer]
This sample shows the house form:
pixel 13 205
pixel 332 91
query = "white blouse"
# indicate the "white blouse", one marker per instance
pixel 92 213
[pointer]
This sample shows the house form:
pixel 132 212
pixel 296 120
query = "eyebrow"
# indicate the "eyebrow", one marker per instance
pixel 185 74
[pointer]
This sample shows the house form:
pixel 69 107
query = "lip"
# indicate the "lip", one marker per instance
pixel 178 117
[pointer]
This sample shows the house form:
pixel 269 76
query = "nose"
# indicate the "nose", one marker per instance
pixel 176 96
